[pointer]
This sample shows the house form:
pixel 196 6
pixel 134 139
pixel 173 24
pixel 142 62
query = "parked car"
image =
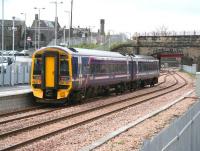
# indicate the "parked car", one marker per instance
pixel 15 53
pixel 24 53
pixel 6 53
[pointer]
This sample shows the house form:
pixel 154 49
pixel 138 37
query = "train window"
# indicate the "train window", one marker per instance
pixel 97 68
pixel 140 66
pixel 64 67
pixel 85 65
pixel 92 68
pixel 75 67
pixel 104 68
pixel 37 66
pixel 112 68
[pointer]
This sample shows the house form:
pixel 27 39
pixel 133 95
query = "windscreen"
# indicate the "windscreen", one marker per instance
pixel 64 66
pixel 37 66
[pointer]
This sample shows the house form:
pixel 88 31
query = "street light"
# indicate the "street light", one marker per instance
pixel 91 27
pixel 64 34
pixel 39 24
pixel 71 13
pixel 56 19
pixel 68 12
pixel 2 31
pixel 13 44
pixel 109 40
pixel 24 29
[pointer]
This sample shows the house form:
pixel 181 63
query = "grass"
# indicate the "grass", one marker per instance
pixel 87 46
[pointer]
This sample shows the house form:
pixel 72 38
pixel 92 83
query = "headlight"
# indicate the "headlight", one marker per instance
pixel 36 79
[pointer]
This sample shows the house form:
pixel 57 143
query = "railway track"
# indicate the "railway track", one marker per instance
pixel 31 109
pixel 126 103
pixel 81 112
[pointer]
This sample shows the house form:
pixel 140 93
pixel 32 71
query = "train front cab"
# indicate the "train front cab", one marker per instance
pixel 51 77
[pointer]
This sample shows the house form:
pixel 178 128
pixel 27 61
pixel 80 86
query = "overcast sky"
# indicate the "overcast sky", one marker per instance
pixel 120 15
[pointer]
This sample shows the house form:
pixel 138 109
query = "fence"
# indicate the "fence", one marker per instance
pixel 74 41
pixel 168 33
pixel 181 135
pixel 15 74
pixel 191 69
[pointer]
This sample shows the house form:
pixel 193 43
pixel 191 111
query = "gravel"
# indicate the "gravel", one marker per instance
pixel 132 139
pixel 66 111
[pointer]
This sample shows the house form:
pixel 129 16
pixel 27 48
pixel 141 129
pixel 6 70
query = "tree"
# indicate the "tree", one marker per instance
pixel 162 30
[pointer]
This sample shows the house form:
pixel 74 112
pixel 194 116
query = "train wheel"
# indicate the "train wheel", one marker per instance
pixel 118 89
pixel 152 84
pixel 122 88
pixel 142 84
pixel 106 91
pixel 75 98
pixel 133 86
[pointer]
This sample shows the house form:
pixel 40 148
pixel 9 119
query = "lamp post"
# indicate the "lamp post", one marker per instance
pixel 69 34
pixel 35 34
pixel 2 32
pixel 56 19
pixel 91 27
pixel 24 29
pixel 109 40
pixel 13 35
pixel 64 35
pixel 39 24
pixel 2 29
pixel 71 12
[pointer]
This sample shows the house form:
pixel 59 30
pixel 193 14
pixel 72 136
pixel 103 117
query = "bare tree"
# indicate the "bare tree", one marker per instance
pixel 162 30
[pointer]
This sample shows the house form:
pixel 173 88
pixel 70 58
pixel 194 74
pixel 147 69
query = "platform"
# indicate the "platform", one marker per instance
pixel 14 90
pixel 15 97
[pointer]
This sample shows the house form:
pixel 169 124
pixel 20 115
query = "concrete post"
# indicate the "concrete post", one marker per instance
pixel 198 84
pixel 1 77
pixel 12 75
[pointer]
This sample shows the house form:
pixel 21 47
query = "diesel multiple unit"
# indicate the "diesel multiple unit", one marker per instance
pixel 62 74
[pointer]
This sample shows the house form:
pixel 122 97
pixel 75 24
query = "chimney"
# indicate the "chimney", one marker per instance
pixel 36 16
pixel 102 22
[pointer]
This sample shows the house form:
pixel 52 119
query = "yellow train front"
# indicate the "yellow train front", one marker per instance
pixel 51 75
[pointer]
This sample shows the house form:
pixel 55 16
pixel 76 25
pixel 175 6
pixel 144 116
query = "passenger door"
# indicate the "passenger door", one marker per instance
pixel 50 72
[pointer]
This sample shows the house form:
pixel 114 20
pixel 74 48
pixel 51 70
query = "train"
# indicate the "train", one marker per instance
pixel 60 74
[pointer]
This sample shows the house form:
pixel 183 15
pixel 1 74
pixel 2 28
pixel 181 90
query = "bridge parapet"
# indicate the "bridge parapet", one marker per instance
pixel 167 41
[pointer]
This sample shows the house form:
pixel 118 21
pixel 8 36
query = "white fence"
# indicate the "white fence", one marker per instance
pixel 191 69
pixel 15 74
pixel 181 135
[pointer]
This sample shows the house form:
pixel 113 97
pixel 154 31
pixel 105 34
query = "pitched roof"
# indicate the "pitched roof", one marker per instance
pixel 10 22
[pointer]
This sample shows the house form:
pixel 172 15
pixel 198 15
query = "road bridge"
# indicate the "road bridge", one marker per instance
pixel 185 46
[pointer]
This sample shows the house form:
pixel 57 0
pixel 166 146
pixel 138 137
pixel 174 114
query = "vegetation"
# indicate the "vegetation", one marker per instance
pixel 101 47
pixel 87 46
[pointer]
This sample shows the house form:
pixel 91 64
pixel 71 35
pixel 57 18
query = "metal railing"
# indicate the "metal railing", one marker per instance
pixel 182 135
pixel 177 137
pixel 168 33
pixel 15 74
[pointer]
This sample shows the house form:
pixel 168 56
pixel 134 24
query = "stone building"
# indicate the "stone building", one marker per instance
pixel 8 34
pixel 47 31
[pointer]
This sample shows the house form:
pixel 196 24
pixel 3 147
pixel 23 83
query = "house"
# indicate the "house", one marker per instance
pixel 8 34
pixel 47 31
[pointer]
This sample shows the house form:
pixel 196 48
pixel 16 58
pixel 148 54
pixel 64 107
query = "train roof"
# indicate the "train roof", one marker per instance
pixel 93 52
pixel 99 53
pixel 89 52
